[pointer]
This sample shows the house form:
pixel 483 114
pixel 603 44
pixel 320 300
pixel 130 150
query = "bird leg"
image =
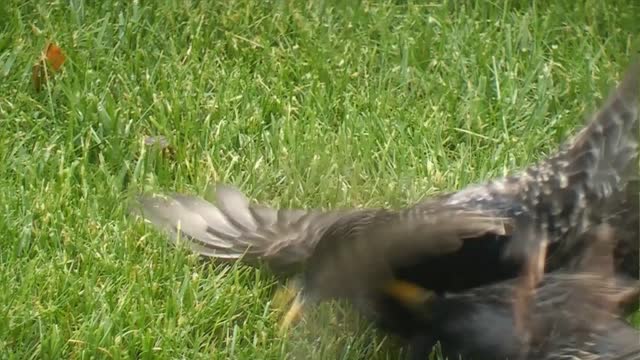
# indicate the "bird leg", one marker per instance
pixel 289 296
pixel 532 275
pixel 284 296
pixel 293 315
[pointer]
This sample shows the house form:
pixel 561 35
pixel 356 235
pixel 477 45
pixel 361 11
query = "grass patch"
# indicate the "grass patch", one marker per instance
pixel 315 104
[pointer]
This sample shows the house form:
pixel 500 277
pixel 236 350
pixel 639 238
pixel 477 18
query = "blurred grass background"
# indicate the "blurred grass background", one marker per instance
pixel 303 104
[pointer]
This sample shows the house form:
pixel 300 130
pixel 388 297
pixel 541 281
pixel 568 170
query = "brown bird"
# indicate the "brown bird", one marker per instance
pixel 452 242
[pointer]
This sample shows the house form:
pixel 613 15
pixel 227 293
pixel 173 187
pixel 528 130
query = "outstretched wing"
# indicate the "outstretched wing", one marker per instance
pixel 233 228
pixel 569 192
pixel 598 161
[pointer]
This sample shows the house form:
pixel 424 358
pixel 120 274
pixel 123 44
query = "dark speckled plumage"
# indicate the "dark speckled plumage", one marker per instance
pixel 574 314
pixel 451 242
pixel 479 324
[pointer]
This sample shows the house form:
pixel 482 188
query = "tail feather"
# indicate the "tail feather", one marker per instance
pixel 233 228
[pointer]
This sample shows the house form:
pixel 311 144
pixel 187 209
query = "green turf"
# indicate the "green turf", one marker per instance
pixel 298 104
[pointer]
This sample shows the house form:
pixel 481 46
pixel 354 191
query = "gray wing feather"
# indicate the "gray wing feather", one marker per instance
pixel 233 228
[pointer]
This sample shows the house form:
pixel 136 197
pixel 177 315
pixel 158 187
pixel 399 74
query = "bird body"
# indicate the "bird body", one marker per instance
pixel 452 242
pixel 574 314
pixel 479 324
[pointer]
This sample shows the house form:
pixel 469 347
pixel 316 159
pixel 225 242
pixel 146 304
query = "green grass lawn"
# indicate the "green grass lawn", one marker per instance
pixel 320 105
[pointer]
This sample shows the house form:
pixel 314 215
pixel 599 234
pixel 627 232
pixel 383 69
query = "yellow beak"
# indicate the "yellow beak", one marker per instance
pixel 407 293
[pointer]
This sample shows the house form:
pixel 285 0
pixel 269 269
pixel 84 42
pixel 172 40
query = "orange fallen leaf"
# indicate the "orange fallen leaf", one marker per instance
pixel 53 56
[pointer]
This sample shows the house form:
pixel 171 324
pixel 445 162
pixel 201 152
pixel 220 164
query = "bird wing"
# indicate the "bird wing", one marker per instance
pixel 572 190
pixel 362 262
pixel 233 228
pixel 432 228
pixel 612 340
pixel 601 159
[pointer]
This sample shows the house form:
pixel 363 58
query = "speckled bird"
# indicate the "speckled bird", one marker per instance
pixel 450 242
pixel 574 314
pixel 569 321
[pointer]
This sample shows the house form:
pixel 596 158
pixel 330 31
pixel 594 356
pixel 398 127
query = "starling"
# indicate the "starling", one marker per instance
pixel 574 314
pixel 479 324
pixel 448 243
